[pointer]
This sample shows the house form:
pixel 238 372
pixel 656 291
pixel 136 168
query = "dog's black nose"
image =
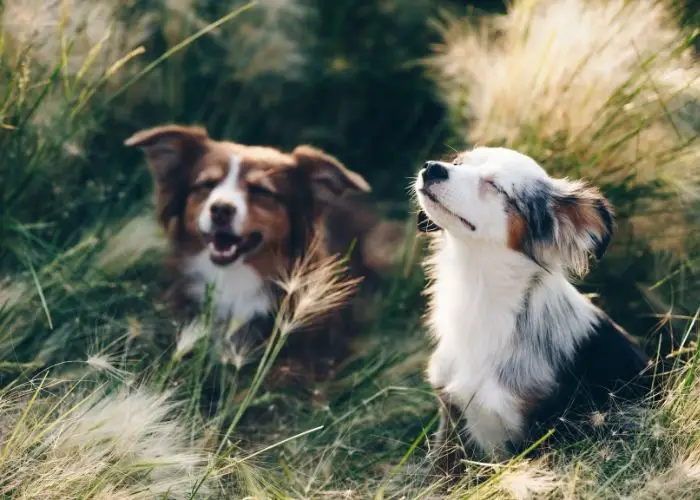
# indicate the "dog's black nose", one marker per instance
pixel 434 171
pixel 222 213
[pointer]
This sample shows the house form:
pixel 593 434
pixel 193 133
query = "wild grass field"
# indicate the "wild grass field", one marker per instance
pixel 99 400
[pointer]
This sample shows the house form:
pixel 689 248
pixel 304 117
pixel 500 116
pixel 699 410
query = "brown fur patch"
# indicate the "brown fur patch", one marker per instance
pixel 290 199
pixel 586 223
pixel 583 215
pixel 517 230
pixel 581 207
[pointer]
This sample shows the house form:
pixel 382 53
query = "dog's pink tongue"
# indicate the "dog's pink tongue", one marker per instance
pixel 223 242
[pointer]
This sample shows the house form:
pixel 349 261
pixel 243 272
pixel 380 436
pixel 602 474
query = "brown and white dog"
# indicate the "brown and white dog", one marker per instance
pixel 237 218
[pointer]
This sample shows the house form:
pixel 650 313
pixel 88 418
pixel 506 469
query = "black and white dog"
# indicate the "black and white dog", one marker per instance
pixel 519 349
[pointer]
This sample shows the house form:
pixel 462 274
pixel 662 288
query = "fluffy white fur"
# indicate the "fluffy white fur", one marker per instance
pixel 480 286
pixel 239 291
pixel 479 290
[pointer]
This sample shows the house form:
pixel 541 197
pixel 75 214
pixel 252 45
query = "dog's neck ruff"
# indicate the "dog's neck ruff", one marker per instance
pixel 238 291
pixel 503 327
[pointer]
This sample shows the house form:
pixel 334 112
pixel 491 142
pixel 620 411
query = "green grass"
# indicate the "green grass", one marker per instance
pixel 96 398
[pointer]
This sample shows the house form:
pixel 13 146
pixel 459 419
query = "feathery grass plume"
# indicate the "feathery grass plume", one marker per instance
pixel 11 292
pixel 106 363
pixel 86 36
pixel 128 246
pixel 126 444
pixel 605 89
pixel 517 479
pixel 312 288
pixel 526 479
pixel 189 336
pixel 681 480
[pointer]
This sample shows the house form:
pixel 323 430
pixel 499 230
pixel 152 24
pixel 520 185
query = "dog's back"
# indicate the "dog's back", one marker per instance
pixel 608 375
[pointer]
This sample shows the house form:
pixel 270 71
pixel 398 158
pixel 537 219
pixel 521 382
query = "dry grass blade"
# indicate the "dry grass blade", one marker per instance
pixel 313 287
pixel 128 444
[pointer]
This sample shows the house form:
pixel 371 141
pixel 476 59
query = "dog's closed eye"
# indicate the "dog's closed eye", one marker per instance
pixel 492 184
pixel 264 194
pixel 258 190
pixel 489 184
pixel 205 185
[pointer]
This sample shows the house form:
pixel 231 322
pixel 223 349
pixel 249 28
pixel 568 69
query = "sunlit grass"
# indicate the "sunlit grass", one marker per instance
pixel 104 396
pixel 607 90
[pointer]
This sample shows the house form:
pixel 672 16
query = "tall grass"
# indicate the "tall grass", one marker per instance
pixel 606 90
pixel 103 396
pixel 70 440
pixel 73 436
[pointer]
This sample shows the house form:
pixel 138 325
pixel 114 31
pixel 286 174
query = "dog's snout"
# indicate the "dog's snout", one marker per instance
pixel 434 171
pixel 222 213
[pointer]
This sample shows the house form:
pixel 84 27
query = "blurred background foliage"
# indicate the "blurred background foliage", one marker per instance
pixel 382 84
pixel 606 93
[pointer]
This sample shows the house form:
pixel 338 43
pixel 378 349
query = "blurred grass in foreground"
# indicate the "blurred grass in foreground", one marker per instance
pixel 103 397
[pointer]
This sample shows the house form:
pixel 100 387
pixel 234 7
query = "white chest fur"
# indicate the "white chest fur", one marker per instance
pixel 478 292
pixel 238 290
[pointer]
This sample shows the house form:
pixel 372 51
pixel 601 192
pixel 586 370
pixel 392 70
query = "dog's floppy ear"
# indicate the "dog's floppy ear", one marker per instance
pixel 169 148
pixel 586 219
pixel 328 176
pixel 424 224
pixel 583 223
pixel 172 151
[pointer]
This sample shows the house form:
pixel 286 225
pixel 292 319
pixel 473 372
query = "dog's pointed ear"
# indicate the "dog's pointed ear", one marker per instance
pixel 424 224
pixel 329 177
pixel 169 148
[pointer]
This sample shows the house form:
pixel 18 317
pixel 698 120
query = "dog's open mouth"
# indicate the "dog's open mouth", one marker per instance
pixel 225 247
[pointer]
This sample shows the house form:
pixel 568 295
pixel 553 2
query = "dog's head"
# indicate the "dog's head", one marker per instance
pixel 235 200
pixel 503 196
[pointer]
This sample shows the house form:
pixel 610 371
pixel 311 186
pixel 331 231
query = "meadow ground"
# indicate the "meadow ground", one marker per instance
pixel 99 400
